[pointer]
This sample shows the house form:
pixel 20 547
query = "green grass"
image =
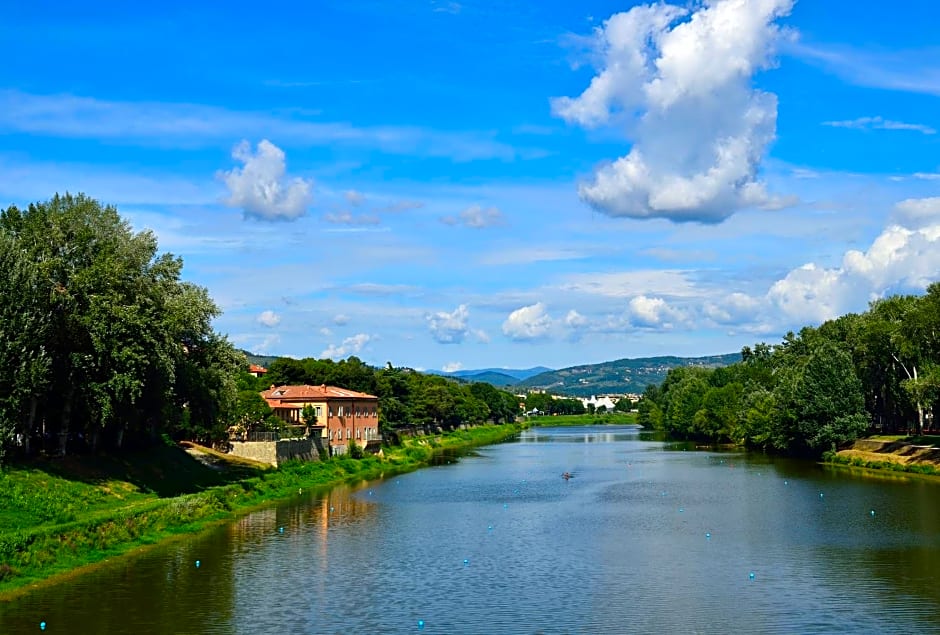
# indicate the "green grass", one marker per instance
pixel 885 466
pixel 612 418
pixel 60 515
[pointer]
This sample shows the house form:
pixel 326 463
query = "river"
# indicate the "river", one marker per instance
pixel 645 537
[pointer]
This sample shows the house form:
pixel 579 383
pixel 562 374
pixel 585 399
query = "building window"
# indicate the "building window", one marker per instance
pixel 319 411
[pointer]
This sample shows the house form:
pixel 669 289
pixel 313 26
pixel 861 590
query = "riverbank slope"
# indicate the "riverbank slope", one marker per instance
pixel 58 516
pixel 918 455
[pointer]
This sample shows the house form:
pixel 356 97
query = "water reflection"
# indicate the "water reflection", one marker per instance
pixel 645 537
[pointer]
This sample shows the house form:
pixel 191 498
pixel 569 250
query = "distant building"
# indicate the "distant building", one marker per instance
pixel 342 415
pixel 607 401
pixel 256 370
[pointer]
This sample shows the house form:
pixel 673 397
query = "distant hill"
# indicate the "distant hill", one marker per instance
pixel 488 377
pixel 620 376
pixel 517 374
pixel 260 360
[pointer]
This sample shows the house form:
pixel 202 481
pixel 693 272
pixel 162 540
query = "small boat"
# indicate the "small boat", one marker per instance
pixel 566 475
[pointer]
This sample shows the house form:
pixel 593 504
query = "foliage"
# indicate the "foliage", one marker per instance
pixel 101 342
pixel 818 389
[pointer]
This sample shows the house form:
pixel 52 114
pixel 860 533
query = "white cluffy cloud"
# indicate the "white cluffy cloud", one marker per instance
pixel 449 328
pixel 679 83
pixel 650 312
pixel 880 123
pixel 350 346
pixel 261 189
pixel 269 319
pixel 452 367
pixel 528 323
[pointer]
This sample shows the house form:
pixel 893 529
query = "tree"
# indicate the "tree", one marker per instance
pixel 118 344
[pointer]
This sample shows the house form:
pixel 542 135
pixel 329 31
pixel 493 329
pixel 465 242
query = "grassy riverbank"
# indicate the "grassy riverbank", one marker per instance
pixel 59 515
pixel 606 419
pixel 910 455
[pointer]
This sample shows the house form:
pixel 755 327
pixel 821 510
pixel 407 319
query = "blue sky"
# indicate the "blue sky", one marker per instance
pixel 445 184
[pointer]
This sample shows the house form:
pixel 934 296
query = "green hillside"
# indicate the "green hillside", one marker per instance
pixel 617 377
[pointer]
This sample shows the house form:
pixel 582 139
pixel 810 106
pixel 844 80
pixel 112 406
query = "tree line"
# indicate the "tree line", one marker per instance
pixel 104 346
pixel 406 397
pixel 101 343
pixel 817 389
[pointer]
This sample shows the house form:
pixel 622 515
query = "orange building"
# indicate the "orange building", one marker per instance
pixel 342 415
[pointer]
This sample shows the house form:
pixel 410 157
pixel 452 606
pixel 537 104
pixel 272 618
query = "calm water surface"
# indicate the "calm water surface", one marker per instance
pixel 498 542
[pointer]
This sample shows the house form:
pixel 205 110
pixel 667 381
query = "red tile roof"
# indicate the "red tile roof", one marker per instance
pixel 279 394
pixel 254 368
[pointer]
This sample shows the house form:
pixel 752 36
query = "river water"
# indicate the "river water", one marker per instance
pixel 645 537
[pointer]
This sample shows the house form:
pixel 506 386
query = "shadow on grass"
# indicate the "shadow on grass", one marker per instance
pixel 163 470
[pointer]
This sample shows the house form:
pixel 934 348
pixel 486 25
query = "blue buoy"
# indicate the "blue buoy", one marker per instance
pixel 197 564
pixel 490 528
pixel 873 512
pixel 786 482
pixel 681 510
pixel 505 505
pixel 820 494
pixel 466 562
pixel 331 509
pixel 420 625
pixel 370 492
pixel 42 626
pixel 751 575
pixel 515 491
pixel 708 535
pixel 663 494
pixel 280 530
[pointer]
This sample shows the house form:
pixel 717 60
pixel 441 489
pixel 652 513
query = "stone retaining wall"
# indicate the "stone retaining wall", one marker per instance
pixel 276 452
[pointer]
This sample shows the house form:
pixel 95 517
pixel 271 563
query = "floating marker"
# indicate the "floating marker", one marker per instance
pixel 197 564
pixel 420 625
pixel 708 535
pixel 751 575
pixel 280 530
pixel 663 494
pixel 820 494
pixel 873 512
pixel 331 508
pixel 466 562
pixel 42 626
pixel 515 491
pixel 786 482
pixel 490 528
pixel 505 505
pixel 681 510
pixel 370 492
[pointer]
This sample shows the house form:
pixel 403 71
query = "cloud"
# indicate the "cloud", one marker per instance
pixel 260 188
pixel 900 259
pixel 350 346
pixel 651 312
pixel 911 70
pixel 269 319
pixel 346 217
pixel 680 85
pixel 450 7
pixel 918 212
pixel 340 320
pixel 528 323
pixel 402 206
pixel 476 217
pixel 449 328
pixel 927 176
pixel 186 125
pixel 879 123
pixel 354 198
pixel 575 320
pixel 452 367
